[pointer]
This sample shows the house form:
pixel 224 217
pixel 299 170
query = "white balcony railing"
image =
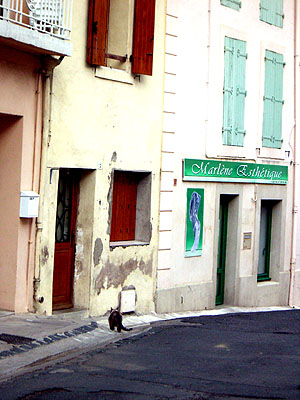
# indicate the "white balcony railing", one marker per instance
pixel 52 17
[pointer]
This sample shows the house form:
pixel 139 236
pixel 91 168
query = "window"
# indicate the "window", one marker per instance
pixel 271 11
pixel 263 270
pixel 273 100
pixel 234 92
pixel 130 217
pixel 121 32
pixel 4 7
pixel 235 4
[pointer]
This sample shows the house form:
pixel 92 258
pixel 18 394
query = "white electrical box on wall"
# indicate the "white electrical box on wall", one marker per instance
pixel 29 204
pixel 127 301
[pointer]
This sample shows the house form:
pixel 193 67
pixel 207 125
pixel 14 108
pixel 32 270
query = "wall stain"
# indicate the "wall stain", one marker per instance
pixel 112 275
pixel 45 255
pixel 98 249
pixel 114 156
pixel 78 267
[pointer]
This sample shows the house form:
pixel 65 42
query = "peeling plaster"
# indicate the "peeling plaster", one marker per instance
pixel 79 254
pixel 98 249
pixel 112 275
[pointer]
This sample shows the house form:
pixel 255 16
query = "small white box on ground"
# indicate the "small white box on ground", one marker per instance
pixel 29 204
pixel 127 301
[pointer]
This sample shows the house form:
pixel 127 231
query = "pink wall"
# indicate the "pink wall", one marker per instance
pixel 20 135
pixel 10 168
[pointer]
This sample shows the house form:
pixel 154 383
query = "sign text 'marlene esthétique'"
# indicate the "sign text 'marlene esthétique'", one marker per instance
pixel 230 171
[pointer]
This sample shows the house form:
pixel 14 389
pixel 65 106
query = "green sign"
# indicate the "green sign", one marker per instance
pixel 194 222
pixel 229 171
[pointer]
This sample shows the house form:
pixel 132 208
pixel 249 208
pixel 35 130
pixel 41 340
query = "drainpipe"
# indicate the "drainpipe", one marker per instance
pixel 29 272
pixel 295 161
pixel 49 63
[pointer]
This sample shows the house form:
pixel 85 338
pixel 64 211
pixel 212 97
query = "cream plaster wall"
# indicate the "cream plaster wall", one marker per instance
pixel 20 127
pixel 193 129
pixel 99 125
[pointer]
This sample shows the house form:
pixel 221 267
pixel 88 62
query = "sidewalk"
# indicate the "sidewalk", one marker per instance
pixel 29 340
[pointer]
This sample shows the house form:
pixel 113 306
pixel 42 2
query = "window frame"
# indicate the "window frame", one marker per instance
pixel 140 221
pixel 234 4
pixel 234 92
pixel 124 198
pixel 265 276
pixel 271 12
pixel 142 36
pixel 273 100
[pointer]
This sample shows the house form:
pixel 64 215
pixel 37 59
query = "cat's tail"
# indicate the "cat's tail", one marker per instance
pixel 126 329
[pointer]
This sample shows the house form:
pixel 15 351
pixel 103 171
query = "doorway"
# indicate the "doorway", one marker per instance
pixel 64 255
pixel 264 255
pixel 227 258
pixel 221 258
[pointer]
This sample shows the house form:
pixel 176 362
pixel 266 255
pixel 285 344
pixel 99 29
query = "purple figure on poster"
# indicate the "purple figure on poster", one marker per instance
pixel 194 207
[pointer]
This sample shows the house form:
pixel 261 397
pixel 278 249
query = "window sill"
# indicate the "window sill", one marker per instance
pixel 271 153
pixel 267 283
pixel 127 243
pixel 263 279
pixel 113 74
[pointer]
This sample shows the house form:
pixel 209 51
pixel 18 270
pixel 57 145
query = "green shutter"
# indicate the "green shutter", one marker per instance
pixel 279 13
pixel 271 11
pixel 273 100
pixel 234 92
pixel 235 4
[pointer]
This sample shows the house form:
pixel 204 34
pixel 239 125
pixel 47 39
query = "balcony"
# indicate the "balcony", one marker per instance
pixel 37 26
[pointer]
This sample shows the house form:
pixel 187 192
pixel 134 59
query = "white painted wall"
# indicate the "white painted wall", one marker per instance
pixel 193 116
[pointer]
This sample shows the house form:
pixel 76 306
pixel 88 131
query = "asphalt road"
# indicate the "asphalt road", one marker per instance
pixel 233 356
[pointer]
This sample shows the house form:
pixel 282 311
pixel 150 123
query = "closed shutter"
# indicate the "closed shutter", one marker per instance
pixel 97 31
pixel 234 92
pixel 235 4
pixel 143 37
pixel 123 207
pixel 273 100
pixel 271 11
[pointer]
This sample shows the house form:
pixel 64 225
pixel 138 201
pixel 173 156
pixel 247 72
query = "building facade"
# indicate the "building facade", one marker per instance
pixel 98 237
pixel 229 188
pixel 156 168
pixel 32 38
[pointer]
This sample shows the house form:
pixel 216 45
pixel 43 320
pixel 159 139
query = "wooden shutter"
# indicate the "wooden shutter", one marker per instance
pixel 98 18
pixel 234 92
pixel 143 37
pixel 123 206
pixel 235 4
pixel 273 100
pixel 279 13
pixel 271 11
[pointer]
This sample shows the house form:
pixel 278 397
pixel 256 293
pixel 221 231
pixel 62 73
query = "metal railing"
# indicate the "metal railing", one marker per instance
pixel 53 17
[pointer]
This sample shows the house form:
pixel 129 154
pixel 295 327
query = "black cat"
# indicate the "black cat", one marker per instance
pixel 115 320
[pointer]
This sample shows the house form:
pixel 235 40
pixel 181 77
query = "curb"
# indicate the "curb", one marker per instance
pixel 59 350
pixel 33 343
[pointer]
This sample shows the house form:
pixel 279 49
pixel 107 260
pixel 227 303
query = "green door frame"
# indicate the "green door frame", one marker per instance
pixel 265 276
pixel 221 260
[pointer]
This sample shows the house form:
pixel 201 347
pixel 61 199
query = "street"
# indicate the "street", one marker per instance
pixel 232 356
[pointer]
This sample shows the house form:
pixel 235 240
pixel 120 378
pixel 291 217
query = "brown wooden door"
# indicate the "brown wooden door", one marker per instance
pixel 65 240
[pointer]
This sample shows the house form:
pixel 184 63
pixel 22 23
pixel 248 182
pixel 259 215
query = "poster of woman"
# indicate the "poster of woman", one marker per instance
pixel 194 222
